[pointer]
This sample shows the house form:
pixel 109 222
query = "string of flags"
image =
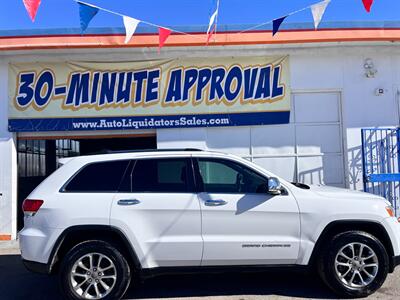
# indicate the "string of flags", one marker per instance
pixel 88 11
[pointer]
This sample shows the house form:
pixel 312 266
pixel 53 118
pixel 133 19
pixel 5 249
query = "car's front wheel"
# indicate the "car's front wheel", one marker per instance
pixel 94 270
pixel 354 264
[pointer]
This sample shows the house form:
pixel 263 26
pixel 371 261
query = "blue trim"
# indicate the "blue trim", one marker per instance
pixel 386 177
pixel 142 28
pixel 126 123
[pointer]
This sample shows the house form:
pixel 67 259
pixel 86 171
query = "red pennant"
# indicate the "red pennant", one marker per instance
pixel 163 35
pixel 32 7
pixel 368 4
pixel 211 33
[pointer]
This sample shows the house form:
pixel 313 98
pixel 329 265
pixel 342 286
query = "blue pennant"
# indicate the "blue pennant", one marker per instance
pixel 86 14
pixel 276 24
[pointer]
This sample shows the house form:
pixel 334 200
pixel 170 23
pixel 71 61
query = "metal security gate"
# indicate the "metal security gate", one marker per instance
pixel 381 163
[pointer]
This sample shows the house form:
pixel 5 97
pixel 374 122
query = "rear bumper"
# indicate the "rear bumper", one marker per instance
pixel 36 244
pixel 36 267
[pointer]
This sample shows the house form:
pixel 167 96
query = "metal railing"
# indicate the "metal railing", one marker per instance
pixel 381 163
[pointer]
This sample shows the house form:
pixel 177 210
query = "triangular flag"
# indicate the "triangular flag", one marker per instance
pixel 163 34
pixel 276 24
pixel 318 11
pixel 212 26
pixel 210 34
pixel 368 4
pixel 130 27
pixel 86 14
pixel 32 7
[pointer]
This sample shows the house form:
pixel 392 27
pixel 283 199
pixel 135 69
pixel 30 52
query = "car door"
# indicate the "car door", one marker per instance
pixel 241 223
pixel 159 212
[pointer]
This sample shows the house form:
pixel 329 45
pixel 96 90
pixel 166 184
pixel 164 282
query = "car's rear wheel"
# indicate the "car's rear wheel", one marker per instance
pixel 94 270
pixel 354 264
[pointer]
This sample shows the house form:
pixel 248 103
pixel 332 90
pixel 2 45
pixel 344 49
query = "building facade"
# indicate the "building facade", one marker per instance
pixel 340 80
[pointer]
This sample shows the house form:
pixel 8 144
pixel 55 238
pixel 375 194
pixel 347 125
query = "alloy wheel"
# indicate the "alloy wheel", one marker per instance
pixel 93 276
pixel 356 265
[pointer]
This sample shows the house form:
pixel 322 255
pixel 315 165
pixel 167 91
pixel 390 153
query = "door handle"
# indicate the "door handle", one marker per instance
pixel 215 202
pixel 127 202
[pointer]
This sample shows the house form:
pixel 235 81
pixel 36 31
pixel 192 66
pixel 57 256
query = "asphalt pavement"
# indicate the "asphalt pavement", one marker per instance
pixel 18 283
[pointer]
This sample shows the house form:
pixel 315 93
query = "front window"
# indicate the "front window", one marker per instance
pixel 228 177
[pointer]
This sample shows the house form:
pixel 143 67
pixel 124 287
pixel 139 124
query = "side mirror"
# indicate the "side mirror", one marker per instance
pixel 274 186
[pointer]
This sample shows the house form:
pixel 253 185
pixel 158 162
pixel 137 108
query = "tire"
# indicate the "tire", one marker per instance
pixel 350 266
pixel 114 272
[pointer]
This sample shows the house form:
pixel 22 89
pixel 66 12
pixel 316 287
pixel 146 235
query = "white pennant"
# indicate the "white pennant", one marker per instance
pixel 318 11
pixel 213 18
pixel 130 27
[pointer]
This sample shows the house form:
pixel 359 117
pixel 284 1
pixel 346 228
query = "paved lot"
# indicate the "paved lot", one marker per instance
pixel 17 283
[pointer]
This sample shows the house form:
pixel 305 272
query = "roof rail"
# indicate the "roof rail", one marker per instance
pixel 142 150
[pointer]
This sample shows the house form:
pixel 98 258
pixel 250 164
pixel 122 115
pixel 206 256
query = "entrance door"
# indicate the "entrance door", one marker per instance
pixel 317 121
pixel 241 223
pixel 309 149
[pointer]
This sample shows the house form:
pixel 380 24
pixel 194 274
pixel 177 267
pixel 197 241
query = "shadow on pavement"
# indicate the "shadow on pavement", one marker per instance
pixel 18 283
pixel 288 284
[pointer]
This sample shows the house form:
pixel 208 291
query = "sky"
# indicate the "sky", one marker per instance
pixel 64 13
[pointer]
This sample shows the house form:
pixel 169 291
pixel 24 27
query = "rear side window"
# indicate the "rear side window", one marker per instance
pixel 98 177
pixel 158 176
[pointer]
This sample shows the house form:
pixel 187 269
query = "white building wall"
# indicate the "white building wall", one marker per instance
pixel 376 111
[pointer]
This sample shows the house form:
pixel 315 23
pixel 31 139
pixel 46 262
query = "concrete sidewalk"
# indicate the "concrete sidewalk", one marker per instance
pixel 9 247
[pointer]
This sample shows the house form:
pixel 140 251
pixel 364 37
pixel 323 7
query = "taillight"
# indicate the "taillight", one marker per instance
pixel 30 207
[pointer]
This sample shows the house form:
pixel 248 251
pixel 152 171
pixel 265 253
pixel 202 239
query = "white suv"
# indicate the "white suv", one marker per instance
pixel 100 219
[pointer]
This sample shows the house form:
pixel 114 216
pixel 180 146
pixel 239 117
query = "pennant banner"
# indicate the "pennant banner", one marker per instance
pixel 32 7
pixel 368 4
pixel 130 27
pixel 318 11
pixel 212 26
pixel 163 33
pixel 276 24
pixel 86 14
